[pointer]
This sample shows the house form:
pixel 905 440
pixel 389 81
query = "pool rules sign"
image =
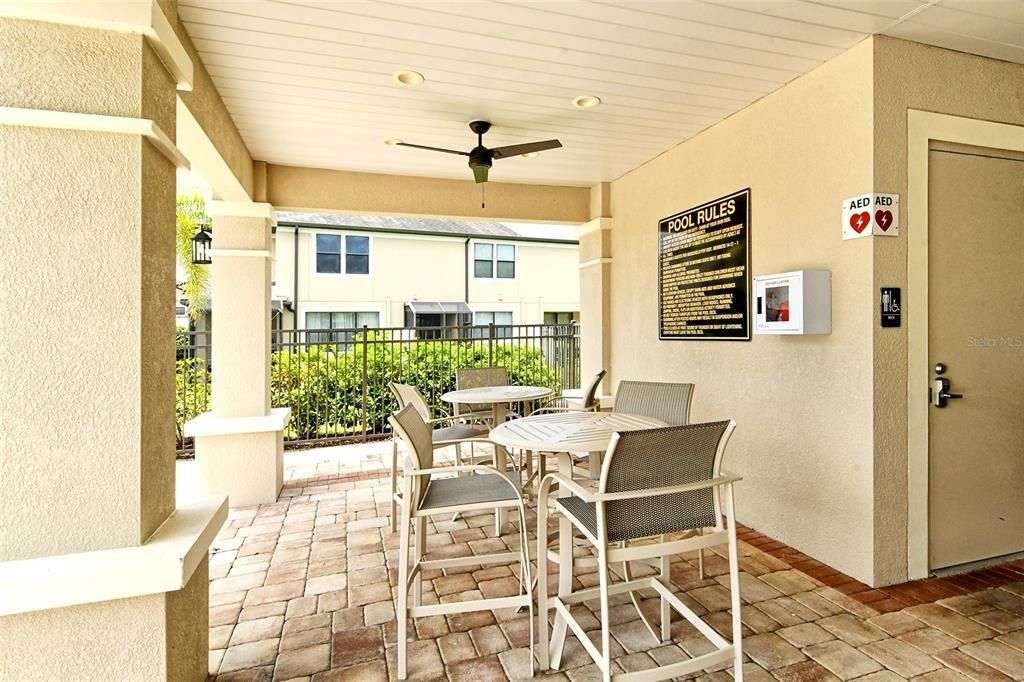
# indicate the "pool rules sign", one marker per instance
pixel 704 271
pixel 871 214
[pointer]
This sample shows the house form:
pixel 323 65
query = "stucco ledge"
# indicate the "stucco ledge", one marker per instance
pixel 164 563
pixel 207 424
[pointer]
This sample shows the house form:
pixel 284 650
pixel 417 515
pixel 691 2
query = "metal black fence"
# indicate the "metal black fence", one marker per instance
pixel 335 380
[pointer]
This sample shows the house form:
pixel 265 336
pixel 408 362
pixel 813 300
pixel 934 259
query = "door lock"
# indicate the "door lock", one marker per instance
pixel 940 392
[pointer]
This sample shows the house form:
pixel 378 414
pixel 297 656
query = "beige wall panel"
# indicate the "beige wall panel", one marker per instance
pixel 803 404
pixel 247 467
pixel 314 189
pixel 914 76
pixel 67 359
pixel 105 83
pixel 112 640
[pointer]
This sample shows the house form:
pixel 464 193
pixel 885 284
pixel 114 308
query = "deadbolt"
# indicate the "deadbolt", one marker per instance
pixel 940 368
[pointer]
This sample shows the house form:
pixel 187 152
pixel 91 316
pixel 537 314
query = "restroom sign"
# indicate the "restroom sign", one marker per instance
pixel 871 214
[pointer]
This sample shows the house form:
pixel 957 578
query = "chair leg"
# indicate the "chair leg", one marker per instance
pixel 666 609
pixel 525 570
pixel 564 587
pixel 542 585
pixel 394 483
pixel 418 552
pixel 734 586
pixel 700 557
pixel 403 595
pixel 602 574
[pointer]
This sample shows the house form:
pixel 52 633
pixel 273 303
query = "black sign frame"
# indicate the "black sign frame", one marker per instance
pixel 743 291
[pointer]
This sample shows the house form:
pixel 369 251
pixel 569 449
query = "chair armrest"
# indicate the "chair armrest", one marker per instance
pixel 722 479
pixel 554 409
pixel 571 485
pixel 478 468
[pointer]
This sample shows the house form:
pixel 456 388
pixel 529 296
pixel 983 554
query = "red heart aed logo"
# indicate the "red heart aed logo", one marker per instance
pixel 859 221
pixel 884 219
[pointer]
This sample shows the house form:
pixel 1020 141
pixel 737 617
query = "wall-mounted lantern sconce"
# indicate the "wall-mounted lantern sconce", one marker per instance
pixel 201 244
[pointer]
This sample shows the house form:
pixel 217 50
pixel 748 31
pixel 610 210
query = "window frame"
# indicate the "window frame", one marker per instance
pixel 320 310
pixel 343 236
pixel 494 261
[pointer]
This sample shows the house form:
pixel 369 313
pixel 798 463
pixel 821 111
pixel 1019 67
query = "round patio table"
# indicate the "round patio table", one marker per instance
pixel 498 397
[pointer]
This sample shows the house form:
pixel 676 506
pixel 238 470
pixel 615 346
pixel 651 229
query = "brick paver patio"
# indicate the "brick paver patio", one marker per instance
pixel 303 590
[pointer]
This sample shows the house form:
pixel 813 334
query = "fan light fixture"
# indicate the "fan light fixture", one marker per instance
pixel 392 142
pixel 531 155
pixel 586 101
pixel 409 78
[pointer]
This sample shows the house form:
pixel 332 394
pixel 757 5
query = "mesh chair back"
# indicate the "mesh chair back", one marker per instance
pixel 590 399
pixel 478 377
pixel 410 395
pixel 668 402
pixel 660 458
pixel 416 434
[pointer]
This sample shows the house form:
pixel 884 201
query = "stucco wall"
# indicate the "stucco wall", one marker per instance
pixel 75 255
pixel 914 76
pixel 802 404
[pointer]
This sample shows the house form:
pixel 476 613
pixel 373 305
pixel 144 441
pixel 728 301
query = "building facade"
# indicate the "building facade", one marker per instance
pixel 339 271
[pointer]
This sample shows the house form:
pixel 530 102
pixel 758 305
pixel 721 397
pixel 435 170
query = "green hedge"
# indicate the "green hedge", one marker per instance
pixel 324 384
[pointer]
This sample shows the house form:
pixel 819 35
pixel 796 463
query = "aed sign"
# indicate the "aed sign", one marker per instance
pixel 871 214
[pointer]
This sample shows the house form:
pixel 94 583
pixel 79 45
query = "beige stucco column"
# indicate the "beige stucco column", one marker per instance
pixel 239 442
pixel 595 287
pixel 102 576
pixel 595 301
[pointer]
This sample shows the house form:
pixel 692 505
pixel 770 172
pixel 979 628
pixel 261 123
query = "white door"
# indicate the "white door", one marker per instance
pixel 976 330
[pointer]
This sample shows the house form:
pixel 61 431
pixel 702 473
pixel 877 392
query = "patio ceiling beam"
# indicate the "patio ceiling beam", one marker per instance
pixel 318 189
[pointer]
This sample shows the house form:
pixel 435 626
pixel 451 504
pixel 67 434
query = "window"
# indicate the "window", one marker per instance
pixel 348 323
pixel 357 255
pixel 494 260
pixel 330 254
pixel 502 324
pixel 561 318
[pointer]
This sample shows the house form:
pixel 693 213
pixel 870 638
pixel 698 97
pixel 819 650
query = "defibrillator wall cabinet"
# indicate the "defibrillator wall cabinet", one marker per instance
pixel 793 303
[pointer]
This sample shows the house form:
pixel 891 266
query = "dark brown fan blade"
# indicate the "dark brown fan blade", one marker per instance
pixel 520 149
pixel 431 149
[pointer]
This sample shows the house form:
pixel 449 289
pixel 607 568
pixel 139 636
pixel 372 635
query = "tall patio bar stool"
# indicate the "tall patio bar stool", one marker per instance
pixel 654 485
pixel 666 401
pixel 425 494
pixel 454 434
pixel 478 377
pixel 588 400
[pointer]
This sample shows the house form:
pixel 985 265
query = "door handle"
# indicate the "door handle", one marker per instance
pixel 941 394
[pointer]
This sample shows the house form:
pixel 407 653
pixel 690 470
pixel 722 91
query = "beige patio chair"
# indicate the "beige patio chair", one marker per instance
pixel 588 401
pixel 478 377
pixel 425 494
pixel 441 436
pixel 668 402
pixel 654 484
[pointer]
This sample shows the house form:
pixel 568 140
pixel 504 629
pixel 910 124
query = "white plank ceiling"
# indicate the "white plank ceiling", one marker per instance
pixel 309 83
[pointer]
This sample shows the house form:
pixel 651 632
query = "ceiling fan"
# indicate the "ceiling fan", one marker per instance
pixel 481 158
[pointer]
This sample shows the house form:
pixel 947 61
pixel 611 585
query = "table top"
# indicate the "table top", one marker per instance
pixel 496 394
pixel 569 431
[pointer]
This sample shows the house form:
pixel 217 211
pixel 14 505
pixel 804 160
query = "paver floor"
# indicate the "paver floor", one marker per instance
pixel 303 590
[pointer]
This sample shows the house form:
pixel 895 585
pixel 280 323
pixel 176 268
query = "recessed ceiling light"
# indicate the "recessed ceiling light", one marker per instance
pixel 409 78
pixel 530 155
pixel 586 101
pixel 391 142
